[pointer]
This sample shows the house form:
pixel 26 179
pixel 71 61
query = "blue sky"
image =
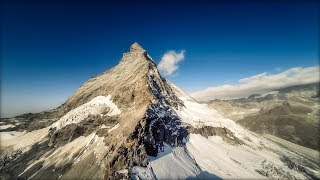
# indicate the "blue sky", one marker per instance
pixel 50 48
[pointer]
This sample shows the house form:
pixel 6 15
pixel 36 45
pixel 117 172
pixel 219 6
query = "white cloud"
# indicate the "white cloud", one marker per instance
pixel 170 62
pixel 261 83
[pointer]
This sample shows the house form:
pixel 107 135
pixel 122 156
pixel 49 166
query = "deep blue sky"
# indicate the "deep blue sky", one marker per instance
pixel 50 48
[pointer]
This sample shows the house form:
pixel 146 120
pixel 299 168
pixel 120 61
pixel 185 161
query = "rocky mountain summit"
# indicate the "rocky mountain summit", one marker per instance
pixel 130 123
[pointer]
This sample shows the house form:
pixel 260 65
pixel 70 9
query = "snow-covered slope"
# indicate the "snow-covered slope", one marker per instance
pixel 197 114
pixel 227 161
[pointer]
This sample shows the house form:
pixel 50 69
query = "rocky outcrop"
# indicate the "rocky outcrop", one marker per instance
pixel 223 132
pixel 68 133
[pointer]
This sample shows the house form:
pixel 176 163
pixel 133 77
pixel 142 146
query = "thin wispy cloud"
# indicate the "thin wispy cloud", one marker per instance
pixel 261 83
pixel 170 62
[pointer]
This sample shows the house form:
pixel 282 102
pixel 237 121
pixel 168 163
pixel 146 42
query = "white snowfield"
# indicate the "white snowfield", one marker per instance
pixel 212 158
pixel 97 106
pixel 171 163
pixel 227 161
pixel 199 115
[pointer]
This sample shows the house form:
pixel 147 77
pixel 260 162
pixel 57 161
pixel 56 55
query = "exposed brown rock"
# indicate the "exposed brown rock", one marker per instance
pixel 223 132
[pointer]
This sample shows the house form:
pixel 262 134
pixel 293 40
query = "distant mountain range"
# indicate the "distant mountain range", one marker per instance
pixel 290 113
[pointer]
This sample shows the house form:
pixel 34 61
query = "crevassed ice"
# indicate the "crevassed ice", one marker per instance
pixel 96 106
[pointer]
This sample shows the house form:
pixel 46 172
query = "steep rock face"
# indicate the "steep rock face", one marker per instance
pixel 145 99
pixel 126 82
pixel 135 81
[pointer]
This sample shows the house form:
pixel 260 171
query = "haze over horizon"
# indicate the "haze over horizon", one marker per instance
pixel 50 49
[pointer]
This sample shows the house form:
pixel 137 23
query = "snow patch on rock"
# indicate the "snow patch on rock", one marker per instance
pixel 6 126
pixel 98 105
pixel 4 136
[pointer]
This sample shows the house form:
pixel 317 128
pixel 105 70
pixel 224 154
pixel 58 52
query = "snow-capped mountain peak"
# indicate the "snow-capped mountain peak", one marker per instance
pixel 129 122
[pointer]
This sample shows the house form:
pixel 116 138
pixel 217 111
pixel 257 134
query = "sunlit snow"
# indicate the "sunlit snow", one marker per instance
pixel 96 106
